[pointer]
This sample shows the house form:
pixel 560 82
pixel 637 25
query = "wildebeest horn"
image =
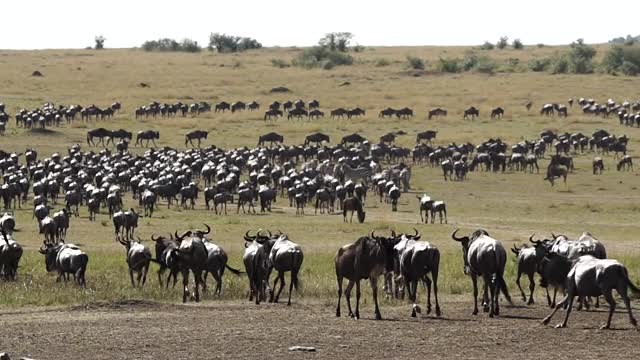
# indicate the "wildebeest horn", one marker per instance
pixel 153 238
pixel 180 237
pixel 373 234
pixel 417 234
pixel 537 242
pixel 270 235
pixel 453 236
pixel 553 235
pixel 208 229
pixel 393 233
pixel 247 237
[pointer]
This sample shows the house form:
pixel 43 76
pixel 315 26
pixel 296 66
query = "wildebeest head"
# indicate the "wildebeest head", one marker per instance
pixel 386 245
pixel 201 233
pixel 466 241
pixel 50 252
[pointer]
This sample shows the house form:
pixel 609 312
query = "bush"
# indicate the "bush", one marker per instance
pixel 186 45
pixel 630 69
pixel 100 42
pixel 502 43
pixel 560 65
pixel 336 41
pixel 449 65
pixel 323 57
pixel 382 62
pixel 486 46
pixel 581 57
pixel 415 63
pixel 540 45
pixel 224 43
pixel 537 65
pixel 358 48
pixel 469 61
pixel 485 65
pixel 517 44
pixel 279 63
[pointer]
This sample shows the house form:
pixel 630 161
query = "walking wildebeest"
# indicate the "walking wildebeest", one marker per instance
pixel 65 259
pixel 138 259
pixel 486 257
pixel 353 204
pixel 471 112
pixel 147 135
pixel 197 135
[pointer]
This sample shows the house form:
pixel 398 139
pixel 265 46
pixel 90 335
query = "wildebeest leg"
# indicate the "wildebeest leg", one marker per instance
pixel 434 276
pixel 427 283
pixel 612 307
pixel 218 277
pixel 145 270
pixel 532 286
pixel 131 276
pixel 185 285
pixel 358 294
pixel 160 273
pixel 474 281
pixel 282 284
pixel 493 303
pixel 485 294
pixel 294 280
pixel 412 287
pixel 197 275
pixel 622 291
pixel 373 280
pixel 524 298
pixel 339 296
pixel 347 295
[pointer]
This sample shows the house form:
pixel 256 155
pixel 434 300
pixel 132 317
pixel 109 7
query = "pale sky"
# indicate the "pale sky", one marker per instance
pixel 38 24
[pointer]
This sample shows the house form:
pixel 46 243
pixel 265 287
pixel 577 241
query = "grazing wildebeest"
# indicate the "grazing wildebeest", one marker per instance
pixel 65 259
pixel 486 257
pixel 272 113
pixel 284 256
pixel 315 113
pixel 353 204
pixel 589 276
pixel 497 112
pixel 437 112
pixel 367 258
pixel 598 165
pixel 197 135
pixel 271 137
pixel 528 259
pixel 426 135
pixel 138 259
pixel 626 163
pixel 316 138
pixel 556 171
pixel 147 135
pixel 471 112
pixel 255 263
pixel 100 133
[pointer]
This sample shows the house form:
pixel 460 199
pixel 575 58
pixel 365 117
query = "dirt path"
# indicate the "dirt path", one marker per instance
pixel 143 330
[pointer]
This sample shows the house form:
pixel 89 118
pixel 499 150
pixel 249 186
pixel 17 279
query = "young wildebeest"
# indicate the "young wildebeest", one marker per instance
pixel 486 257
pixel 527 258
pixel 588 276
pixel 165 247
pixel 598 165
pixel 65 259
pixel 353 204
pixel 138 259
pixel 367 258
pixel 284 255
pixel 625 164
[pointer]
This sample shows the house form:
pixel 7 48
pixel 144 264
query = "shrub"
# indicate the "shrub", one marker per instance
pixel 449 65
pixel 560 65
pixel 279 63
pixel 502 43
pixel 224 43
pixel 629 68
pixel 336 41
pixel 540 64
pixel 415 63
pixel 186 45
pixel 485 65
pixel 358 48
pixel 319 56
pixel 581 57
pixel 469 61
pixel 382 62
pixel 100 42
pixel 617 56
pixel 486 46
pixel 517 44
pixel 540 45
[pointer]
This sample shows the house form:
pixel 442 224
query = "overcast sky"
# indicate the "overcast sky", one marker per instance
pixel 37 24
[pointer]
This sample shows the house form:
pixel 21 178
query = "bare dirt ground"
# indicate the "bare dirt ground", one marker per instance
pixel 147 330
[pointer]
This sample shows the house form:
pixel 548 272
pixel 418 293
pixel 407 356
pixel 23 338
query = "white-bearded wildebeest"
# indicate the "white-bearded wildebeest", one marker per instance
pixel 353 204
pixel 8 222
pixel 255 263
pixel 246 196
pixel 267 196
pixel 626 163
pixel 284 256
pixel 436 112
pixel 271 137
pixel 367 258
pixel 49 229
pixel 394 195
pixel 131 222
pixel 147 135
pixel 598 165
pixel 138 259
pixel 417 260
pixel 497 112
pixel 272 113
pixel 61 219
pixel 65 259
pixel 165 248
pixel 486 257
pixel 216 263
pixel 10 255
pixel 195 135
pixel 426 135
pixel 148 200
pixel 528 259
pixel 100 133
pixel 222 199
pixel 120 224
pixel 192 256
pixel 589 276
pixel 472 113
pixel 316 138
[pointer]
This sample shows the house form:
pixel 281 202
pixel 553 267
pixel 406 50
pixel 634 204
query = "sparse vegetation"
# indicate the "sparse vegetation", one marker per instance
pixel 502 43
pixel 186 45
pixel 449 65
pixel 487 46
pixel 539 64
pixel 380 62
pixel 100 42
pixel 224 43
pixel 322 57
pixel 279 63
pixel 415 63
pixel 517 44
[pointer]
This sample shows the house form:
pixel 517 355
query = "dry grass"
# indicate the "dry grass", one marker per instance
pixel 510 206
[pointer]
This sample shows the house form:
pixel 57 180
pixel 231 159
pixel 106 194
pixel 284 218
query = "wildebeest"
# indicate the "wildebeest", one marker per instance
pixel 556 171
pixel 271 137
pixel 353 204
pixel 472 113
pixel 165 248
pixel 147 135
pixel 192 257
pixel 8 222
pixel 626 163
pixel 486 257
pixel 222 106
pixel 138 259
pixel 528 259
pixel 284 256
pixel 100 133
pixel 428 205
pixel 255 263
pixel 272 113
pixel 497 112
pixel 197 135
pixel 65 259
pixel 394 196
pixel 316 138
pixel 598 165
pixel 589 276
pixel 353 139
pixel 216 264
pixel 10 255
pixel 426 135
pixel 437 112
pixel 367 258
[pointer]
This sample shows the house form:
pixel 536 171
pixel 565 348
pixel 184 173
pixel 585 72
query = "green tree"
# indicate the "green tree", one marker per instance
pixel 502 43
pixel 100 42
pixel 336 41
pixel 517 44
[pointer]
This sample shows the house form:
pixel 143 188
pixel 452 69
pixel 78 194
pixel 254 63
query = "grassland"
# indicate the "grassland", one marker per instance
pixel 511 206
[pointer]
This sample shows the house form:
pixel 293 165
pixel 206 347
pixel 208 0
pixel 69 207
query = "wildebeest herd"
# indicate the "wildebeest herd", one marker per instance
pixel 316 173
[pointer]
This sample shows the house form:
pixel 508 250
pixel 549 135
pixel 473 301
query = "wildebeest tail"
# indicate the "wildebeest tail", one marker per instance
pixel 631 285
pixel 235 271
pixel 502 286
pixel 295 260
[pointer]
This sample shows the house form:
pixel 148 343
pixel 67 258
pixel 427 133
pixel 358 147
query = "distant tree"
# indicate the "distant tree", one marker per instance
pixel 502 43
pixel 517 44
pixel 336 41
pixel 487 46
pixel 100 42
pixel 224 43
pixel 581 57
